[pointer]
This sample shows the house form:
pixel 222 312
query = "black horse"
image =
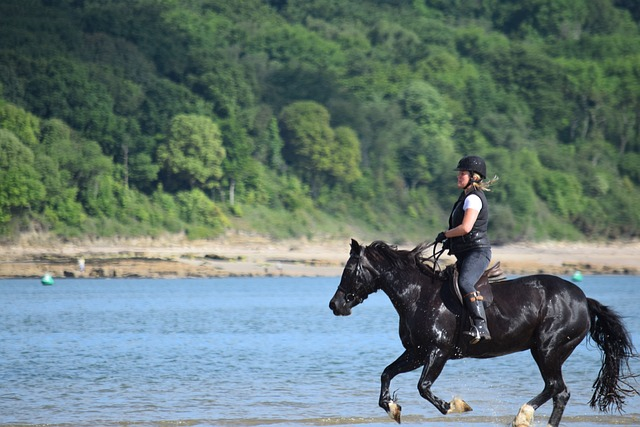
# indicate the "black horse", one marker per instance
pixel 545 314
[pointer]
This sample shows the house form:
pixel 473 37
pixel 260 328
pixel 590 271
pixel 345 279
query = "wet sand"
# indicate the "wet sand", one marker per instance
pixel 176 257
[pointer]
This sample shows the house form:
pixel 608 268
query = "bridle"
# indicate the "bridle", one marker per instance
pixel 366 276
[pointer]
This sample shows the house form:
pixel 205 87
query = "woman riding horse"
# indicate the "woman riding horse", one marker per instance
pixel 467 239
pixel 545 314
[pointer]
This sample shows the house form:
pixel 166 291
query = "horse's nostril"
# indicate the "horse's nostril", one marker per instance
pixel 332 305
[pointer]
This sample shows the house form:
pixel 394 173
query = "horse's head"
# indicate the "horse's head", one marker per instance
pixel 357 282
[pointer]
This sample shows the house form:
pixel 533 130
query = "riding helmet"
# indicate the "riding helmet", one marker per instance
pixel 474 164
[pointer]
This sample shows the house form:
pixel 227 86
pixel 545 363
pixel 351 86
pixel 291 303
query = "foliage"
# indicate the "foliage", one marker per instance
pixel 319 154
pixel 193 153
pixel 293 118
pixel 21 188
pixel 206 219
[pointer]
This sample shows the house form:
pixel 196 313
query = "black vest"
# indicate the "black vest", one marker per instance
pixel 477 237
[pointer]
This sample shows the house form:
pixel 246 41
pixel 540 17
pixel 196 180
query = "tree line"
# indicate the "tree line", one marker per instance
pixel 290 118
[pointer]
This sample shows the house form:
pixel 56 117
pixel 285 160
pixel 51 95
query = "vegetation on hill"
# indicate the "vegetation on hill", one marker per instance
pixel 298 118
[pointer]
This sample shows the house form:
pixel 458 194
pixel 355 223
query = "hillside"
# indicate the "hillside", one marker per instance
pixel 289 118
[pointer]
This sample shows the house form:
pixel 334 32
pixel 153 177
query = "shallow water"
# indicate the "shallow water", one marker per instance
pixel 251 352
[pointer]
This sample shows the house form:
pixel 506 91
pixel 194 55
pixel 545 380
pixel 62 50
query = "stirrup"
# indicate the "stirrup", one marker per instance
pixel 476 335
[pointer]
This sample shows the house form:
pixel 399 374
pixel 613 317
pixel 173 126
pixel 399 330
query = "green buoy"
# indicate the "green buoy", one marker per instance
pixel 47 280
pixel 577 276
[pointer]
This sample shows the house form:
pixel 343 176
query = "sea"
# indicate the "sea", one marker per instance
pixel 254 352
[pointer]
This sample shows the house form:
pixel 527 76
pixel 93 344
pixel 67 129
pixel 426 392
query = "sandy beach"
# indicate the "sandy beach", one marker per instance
pixel 237 255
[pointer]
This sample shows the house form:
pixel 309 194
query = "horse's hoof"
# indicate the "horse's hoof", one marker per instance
pixel 458 406
pixel 394 411
pixel 524 417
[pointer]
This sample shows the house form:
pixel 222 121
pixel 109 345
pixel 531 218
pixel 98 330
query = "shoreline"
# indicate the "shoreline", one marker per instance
pixel 260 257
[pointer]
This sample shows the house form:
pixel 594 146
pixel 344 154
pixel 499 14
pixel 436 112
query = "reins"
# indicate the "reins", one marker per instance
pixel 434 257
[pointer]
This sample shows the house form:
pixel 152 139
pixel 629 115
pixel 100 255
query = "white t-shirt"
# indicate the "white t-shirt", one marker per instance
pixel 472 201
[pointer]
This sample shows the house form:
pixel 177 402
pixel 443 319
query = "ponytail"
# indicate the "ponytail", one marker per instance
pixel 479 184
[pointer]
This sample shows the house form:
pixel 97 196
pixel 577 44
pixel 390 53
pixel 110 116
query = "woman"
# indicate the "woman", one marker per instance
pixel 467 239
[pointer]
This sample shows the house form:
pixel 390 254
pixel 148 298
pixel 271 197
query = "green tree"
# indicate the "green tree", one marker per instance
pixel 226 87
pixel 192 154
pixel 64 88
pixel 272 146
pixel 591 90
pixel 622 118
pixel 79 164
pixel 395 43
pixel 516 202
pixel 321 155
pixel 24 125
pixel 431 145
pixel 21 189
pixel 204 216
pixel 308 139
pixel 563 194
pixel 57 156
pixel 346 166
pixel 559 18
pixel 240 168
pixel 142 170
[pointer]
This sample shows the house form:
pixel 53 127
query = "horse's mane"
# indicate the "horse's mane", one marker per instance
pixel 400 258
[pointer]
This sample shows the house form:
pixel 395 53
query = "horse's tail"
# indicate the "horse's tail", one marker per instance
pixel 610 335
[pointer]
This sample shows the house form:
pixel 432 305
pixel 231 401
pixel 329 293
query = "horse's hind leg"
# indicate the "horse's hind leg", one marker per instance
pixel 554 388
pixel 549 362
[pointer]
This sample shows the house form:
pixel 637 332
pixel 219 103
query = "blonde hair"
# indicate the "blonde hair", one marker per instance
pixel 479 184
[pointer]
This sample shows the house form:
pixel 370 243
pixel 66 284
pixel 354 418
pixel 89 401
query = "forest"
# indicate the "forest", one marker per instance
pixel 296 118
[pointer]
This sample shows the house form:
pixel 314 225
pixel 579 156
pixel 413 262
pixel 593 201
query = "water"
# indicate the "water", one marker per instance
pixel 251 352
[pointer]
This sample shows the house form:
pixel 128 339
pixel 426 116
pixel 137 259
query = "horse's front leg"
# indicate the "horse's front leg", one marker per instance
pixel 433 365
pixel 408 361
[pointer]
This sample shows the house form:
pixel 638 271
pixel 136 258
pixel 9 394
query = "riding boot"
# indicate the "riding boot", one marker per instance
pixel 479 330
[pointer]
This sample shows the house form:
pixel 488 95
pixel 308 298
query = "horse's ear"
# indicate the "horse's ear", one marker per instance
pixel 355 247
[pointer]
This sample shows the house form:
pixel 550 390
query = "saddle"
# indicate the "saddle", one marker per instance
pixel 491 275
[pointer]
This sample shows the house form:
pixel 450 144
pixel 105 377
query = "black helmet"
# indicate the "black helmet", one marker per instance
pixel 474 164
